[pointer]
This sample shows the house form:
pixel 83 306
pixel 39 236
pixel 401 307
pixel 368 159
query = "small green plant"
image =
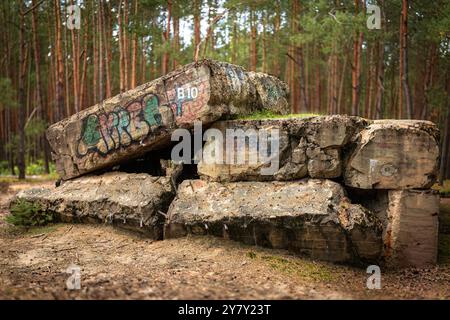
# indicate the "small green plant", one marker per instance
pixel 25 213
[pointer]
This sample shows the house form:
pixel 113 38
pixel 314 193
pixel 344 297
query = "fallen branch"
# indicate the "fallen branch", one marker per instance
pixel 65 249
pixel 208 34
pixel 38 235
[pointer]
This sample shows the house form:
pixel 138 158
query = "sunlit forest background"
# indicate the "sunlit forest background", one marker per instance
pixel 331 59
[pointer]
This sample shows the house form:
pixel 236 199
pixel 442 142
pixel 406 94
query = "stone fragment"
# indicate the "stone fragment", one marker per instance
pixel 311 217
pixel 394 154
pixel 131 201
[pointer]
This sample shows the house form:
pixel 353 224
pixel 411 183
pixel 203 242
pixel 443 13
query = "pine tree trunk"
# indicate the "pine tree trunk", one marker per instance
pixel 101 95
pixel 121 49
pixel 126 46
pixel 445 158
pixel 428 83
pixel 95 54
pixel 134 48
pixel 368 97
pixel 39 101
pixel 84 70
pixel 380 82
pixel 276 28
pixel 66 69
pixel 253 47
pixel 59 92
pixel 176 39
pixel 75 63
pixel 356 67
pixel 106 25
pixel 380 69
pixel 22 106
pixel 235 39
pixel 341 86
pixel 143 61
pixel 197 13
pixel 404 90
pixel 165 59
pixel 318 83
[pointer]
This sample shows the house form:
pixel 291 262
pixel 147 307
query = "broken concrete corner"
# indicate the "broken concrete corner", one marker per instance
pixel 394 154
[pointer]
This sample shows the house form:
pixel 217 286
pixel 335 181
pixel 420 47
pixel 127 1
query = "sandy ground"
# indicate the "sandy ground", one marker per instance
pixel 119 265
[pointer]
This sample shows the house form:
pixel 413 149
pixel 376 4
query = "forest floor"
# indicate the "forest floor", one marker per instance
pixel 120 265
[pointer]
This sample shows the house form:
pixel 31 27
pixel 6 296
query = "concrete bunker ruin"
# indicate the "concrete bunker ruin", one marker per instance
pixel 346 189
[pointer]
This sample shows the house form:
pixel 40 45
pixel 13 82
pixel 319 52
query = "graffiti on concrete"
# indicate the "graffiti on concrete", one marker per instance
pixel 108 131
pixel 105 132
pixel 186 100
pixel 274 93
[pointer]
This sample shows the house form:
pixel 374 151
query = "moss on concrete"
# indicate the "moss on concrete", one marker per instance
pixel 266 114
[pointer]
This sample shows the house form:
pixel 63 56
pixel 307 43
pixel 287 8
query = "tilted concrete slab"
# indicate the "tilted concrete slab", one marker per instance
pixel 139 120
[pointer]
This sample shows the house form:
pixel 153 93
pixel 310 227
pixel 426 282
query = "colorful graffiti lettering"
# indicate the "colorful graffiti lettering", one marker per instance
pixel 108 131
pixel 105 132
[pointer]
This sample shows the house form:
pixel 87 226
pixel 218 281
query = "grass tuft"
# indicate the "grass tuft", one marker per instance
pixel 304 269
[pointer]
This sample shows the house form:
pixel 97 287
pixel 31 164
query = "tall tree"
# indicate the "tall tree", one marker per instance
pixel 176 35
pixel 379 96
pixel 253 35
pixel 356 67
pixel 197 16
pixel 134 47
pixel 166 39
pixel 59 90
pixel 21 99
pixel 121 49
pixel 126 45
pixel 75 66
pixel 101 59
pixel 37 66
pixel 404 90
